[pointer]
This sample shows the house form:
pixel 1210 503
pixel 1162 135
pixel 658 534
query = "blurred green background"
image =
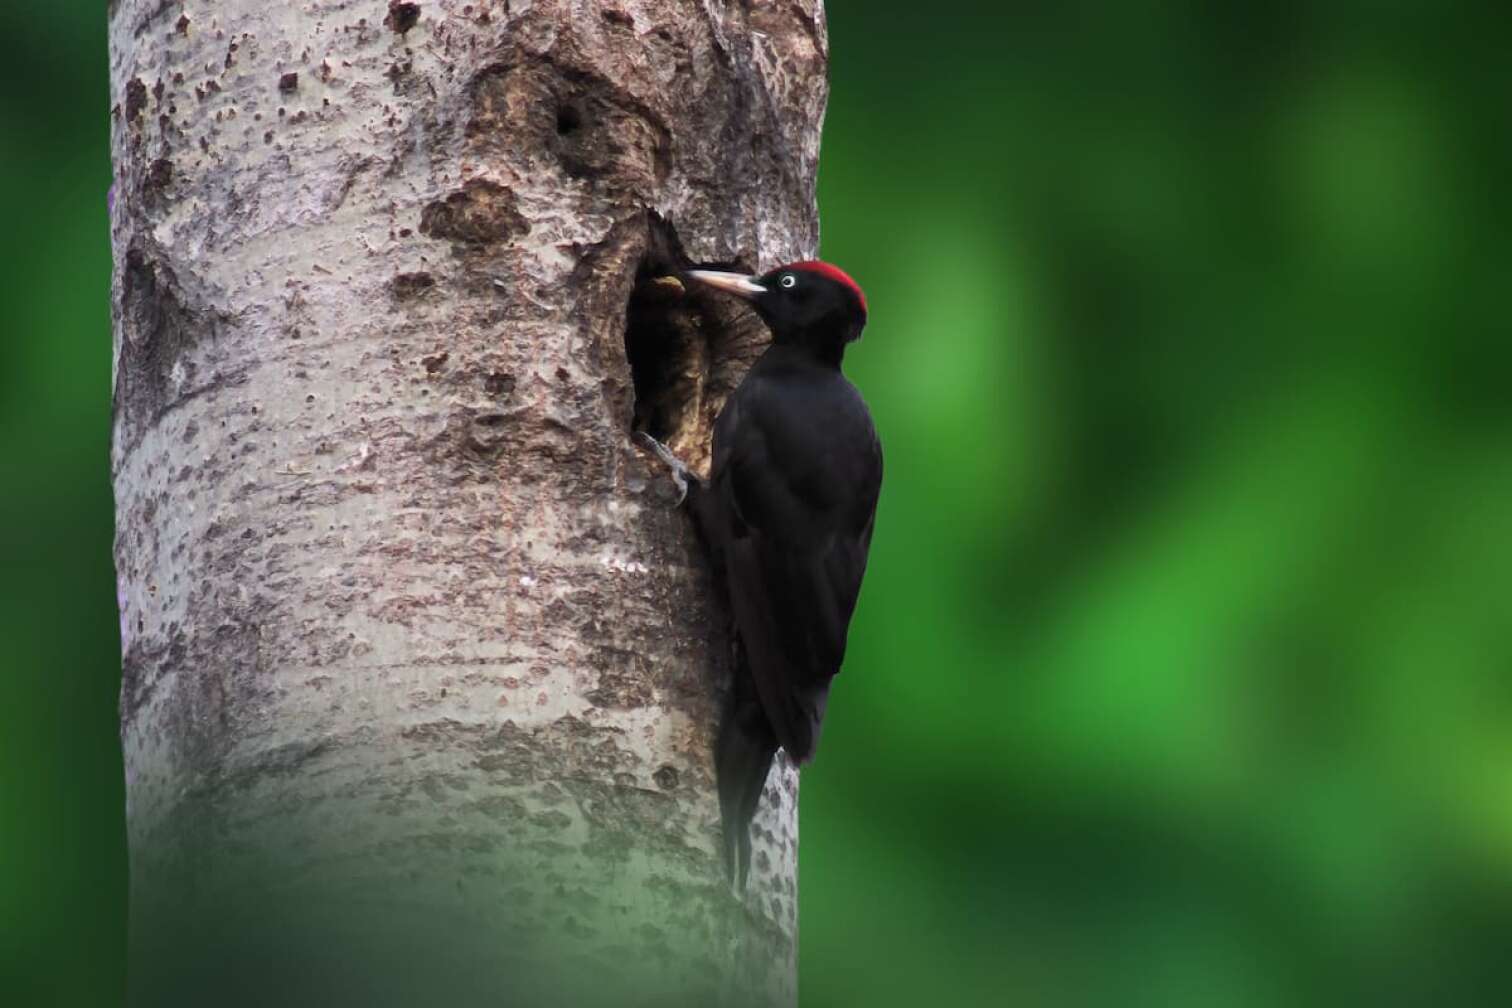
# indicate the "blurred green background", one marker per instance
pixel 1183 673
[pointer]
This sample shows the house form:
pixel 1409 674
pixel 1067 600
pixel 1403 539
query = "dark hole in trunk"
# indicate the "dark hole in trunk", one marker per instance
pixel 668 351
pixel 686 346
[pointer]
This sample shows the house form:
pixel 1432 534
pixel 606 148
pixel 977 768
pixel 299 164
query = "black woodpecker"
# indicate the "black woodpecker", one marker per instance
pixel 787 515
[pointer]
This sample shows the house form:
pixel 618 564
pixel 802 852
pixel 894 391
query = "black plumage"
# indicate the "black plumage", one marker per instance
pixel 787 513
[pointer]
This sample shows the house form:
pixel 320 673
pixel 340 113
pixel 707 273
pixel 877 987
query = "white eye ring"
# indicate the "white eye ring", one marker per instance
pixel 788 280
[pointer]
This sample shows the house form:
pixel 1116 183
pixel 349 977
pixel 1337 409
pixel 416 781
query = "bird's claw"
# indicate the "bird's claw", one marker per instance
pixel 680 474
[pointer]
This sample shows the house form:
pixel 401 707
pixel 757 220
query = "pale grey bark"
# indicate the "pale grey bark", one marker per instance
pixel 421 662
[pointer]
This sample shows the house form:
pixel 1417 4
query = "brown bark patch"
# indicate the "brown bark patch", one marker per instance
pixel 213 679
pixel 481 213
pixel 405 286
pixel 136 98
pixel 159 177
pixel 158 331
pixel 622 683
pixel 402 16
pixel 499 385
pixel 487 434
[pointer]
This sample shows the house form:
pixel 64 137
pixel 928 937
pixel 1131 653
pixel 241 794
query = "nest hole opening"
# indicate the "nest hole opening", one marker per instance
pixel 667 345
pixel 687 347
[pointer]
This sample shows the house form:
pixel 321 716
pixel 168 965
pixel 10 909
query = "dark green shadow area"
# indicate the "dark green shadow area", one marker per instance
pixel 1181 673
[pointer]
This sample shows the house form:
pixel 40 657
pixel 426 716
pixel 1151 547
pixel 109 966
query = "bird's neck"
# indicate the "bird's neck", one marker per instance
pixel 816 346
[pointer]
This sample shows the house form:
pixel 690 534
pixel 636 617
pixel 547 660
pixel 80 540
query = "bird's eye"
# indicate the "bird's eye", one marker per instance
pixel 788 280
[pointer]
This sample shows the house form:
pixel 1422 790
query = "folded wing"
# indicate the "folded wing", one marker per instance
pixel 795 525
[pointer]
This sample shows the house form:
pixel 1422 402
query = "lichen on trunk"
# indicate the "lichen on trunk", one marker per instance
pixel 421 663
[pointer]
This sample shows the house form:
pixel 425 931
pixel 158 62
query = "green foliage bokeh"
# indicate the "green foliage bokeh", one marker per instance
pixel 1183 671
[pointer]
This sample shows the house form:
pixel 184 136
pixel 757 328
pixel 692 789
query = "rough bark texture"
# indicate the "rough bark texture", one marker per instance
pixel 421 662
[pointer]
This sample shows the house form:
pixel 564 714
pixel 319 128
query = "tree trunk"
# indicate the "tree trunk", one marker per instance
pixel 421 661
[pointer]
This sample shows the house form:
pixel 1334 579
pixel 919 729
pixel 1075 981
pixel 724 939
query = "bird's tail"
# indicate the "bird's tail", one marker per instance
pixel 742 757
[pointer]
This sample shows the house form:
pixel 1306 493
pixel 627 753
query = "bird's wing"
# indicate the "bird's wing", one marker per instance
pixel 796 533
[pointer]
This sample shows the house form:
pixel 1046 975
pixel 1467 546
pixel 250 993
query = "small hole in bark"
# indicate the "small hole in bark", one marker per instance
pixel 568 120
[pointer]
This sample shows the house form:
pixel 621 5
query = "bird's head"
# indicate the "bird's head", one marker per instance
pixel 807 301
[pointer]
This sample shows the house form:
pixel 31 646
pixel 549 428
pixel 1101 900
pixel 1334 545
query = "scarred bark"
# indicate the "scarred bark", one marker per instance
pixel 420 661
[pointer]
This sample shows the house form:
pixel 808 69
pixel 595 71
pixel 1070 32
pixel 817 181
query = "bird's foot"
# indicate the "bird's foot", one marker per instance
pixel 681 476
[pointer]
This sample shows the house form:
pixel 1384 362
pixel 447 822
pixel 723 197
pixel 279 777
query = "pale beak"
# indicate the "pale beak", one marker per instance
pixel 731 283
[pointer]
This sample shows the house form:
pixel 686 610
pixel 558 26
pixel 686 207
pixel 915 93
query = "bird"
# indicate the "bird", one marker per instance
pixel 787 514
